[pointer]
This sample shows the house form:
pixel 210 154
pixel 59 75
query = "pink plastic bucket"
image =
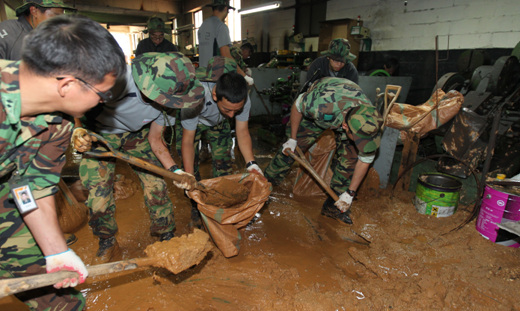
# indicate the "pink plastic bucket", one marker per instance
pixel 496 206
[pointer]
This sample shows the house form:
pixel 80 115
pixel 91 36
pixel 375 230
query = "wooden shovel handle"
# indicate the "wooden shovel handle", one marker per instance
pixel 17 285
pixel 311 170
pixel 137 162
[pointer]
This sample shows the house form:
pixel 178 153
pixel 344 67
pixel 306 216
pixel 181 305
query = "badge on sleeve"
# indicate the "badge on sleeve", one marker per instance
pixel 22 194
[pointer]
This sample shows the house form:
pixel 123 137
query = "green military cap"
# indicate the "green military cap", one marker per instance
pixel 155 24
pixel 339 50
pixel 365 123
pixel 168 79
pixel 43 3
pixel 217 66
pixel 236 53
pixel 220 2
pixel 307 61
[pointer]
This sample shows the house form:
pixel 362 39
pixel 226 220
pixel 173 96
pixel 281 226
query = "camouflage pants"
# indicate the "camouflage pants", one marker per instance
pixel 220 141
pixel 97 175
pixel 20 256
pixel 343 162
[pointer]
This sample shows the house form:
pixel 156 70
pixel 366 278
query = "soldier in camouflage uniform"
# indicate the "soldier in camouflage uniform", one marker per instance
pixel 134 124
pixel 335 62
pixel 33 140
pixel 155 41
pixel 30 14
pixel 340 105
pixel 225 98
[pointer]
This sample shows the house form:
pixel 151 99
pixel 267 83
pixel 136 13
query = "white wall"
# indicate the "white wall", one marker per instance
pixel 468 23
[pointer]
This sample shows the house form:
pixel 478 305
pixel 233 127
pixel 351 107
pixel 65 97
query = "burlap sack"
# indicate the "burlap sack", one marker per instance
pixel 428 116
pixel 319 156
pixel 223 218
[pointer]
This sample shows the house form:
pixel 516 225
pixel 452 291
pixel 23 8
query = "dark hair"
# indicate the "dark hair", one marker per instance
pixel 73 45
pixel 248 46
pixel 232 87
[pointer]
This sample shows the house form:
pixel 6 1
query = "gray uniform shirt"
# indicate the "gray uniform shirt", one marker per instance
pixel 129 112
pixel 213 34
pixel 12 33
pixel 210 114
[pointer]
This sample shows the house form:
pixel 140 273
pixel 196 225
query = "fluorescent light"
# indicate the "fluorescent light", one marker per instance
pixel 260 8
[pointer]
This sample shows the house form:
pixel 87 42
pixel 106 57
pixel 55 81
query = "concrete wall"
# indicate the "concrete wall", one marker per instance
pixel 467 23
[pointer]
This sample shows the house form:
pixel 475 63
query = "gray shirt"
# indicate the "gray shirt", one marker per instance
pixel 210 114
pixel 12 33
pixel 129 112
pixel 213 34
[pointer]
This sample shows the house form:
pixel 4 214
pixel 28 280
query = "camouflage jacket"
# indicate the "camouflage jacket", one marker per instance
pixel 33 146
pixel 330 99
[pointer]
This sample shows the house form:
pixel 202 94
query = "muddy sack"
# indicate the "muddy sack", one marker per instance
pixel 319 156
pixel 223 218
pixel 428 116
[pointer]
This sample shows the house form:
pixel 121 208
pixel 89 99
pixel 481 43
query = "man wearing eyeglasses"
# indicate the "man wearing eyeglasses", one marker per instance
pixel 335 62
pixel 30 15
pixel 155 41
pixel 34 134
pixel 155 86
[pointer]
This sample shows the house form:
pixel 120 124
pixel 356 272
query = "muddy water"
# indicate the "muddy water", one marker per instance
pixel 292 258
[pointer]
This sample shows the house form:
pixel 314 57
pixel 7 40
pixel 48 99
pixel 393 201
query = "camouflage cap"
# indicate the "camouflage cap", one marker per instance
pixel 339 50
pixel 236 53
pixel 307 61
pixel 43 3
pixel 329 99
pixel 168 79
pixel 155 24
pixel 365 123
pixel 220 2
pixel 217 66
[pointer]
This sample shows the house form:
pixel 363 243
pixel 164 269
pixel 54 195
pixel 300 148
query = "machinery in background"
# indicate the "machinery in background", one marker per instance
pixel 491 97
pixel 282 92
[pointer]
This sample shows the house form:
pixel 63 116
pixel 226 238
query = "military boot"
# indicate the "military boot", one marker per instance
pixel 166 236
pixel 196 221
pixel 108 250
pixel 330 210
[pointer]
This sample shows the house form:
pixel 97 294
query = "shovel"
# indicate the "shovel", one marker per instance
pixel 303 161
pixel 175 255
pixel 229 198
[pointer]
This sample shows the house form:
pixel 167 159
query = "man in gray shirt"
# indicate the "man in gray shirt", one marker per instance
pixel 133 123
pixel 225 98
pixel 30 15
pixel 214 39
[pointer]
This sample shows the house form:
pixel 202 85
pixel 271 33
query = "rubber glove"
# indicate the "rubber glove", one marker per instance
pixel 67 260
pixel 249 80
pixel 81 141
pixel 289 144
pixel 188 180
pixel 256 168
pixel 344 202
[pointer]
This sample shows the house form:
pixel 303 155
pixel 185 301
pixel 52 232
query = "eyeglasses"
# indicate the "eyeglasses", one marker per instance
pixel 157 36
pixel 104 96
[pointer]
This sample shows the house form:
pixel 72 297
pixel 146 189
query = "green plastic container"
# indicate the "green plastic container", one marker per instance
pixel 437 194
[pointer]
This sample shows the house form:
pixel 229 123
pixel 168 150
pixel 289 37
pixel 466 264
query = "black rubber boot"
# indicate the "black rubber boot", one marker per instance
pixel 166 236
pixel 108 249
pixel 196 221
pixel 332 211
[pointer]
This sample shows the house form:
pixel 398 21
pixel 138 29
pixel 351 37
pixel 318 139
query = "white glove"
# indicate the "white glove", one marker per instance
pixel 289 144
pixel 344 202
pixel 249 80
pixel 255 168
pixel 248 72
pixel 188 183
pixel 81 141
pixel 67 260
